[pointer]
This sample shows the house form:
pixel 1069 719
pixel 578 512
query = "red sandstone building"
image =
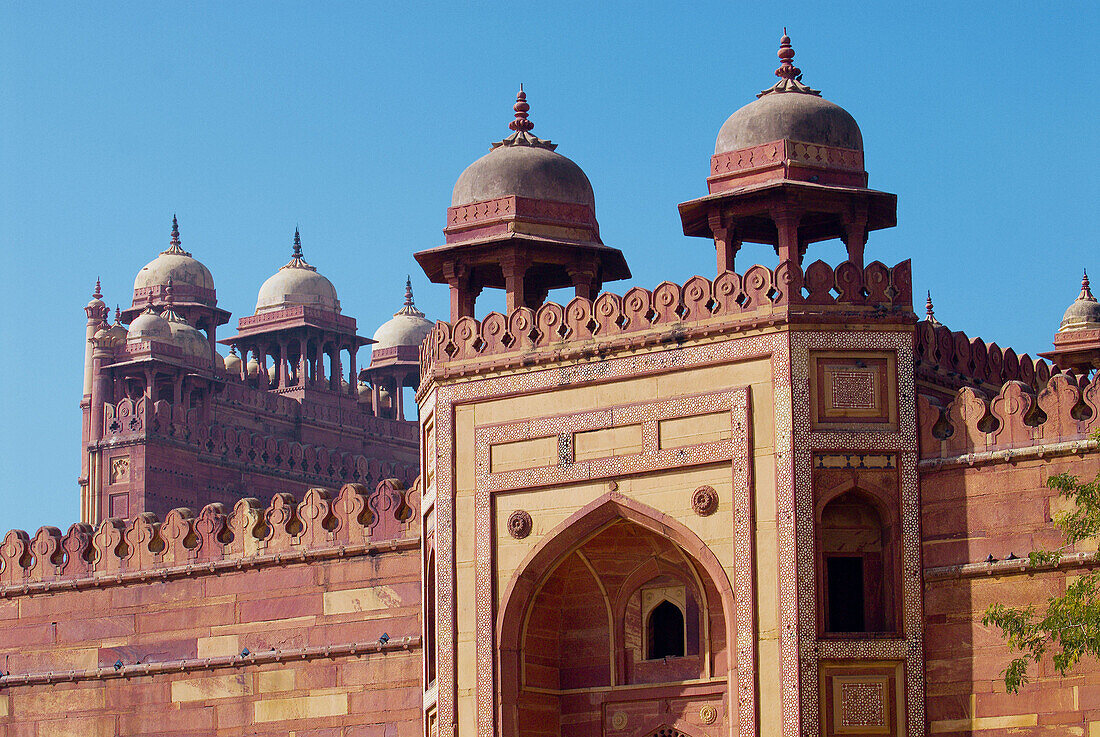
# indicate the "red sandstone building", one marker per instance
pixel 764 502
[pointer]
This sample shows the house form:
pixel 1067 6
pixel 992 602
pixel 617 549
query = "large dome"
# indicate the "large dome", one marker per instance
pixel 789 110
pixel 1084 313
pixel 407 327
pixel 523 165
pixel 174 264
pixel 295 284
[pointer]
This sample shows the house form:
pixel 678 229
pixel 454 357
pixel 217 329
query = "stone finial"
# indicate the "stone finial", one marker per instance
pixel 521 123
pixel 1086 293
pixel 929 310
pixel 168 290
pixel 790 76
pixel 118 315
pixel 409 308
pixel 174 245
pixel 787 69
pixel 297 260
pixel 98 293
pixel 521 127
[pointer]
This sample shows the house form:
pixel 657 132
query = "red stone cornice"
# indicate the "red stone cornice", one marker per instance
pixel 491 216
pixel 784 159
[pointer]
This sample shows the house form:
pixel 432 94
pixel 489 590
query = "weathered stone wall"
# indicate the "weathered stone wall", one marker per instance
pixel 984 493
pixel 312 627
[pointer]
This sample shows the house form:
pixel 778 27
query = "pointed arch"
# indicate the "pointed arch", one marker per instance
pixel 580 527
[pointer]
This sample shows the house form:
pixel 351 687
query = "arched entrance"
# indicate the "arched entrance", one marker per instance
pixel 619 623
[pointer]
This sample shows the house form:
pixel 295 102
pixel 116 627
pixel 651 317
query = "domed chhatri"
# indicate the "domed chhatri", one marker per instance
pixel 190 341
pixel 1084 313
pixel 295 284
pixel 788 171
pixel 1077 342
pixel 522 219
pixel 789 110
pixel 407 328
pixel 193 281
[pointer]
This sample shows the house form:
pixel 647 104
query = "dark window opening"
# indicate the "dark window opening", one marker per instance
pixel 845 594
pixel 665 631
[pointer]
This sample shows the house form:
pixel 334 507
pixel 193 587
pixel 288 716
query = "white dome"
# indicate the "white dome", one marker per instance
pixel 407 327
pixel 149 326
pixel 176 265
pixel 233 363
pixel 187 338
pixel 295 284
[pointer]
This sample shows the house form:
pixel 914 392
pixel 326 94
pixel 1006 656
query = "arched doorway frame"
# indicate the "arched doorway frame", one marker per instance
pixel 541 561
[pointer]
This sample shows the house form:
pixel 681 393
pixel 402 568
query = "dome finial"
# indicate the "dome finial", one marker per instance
pixel 97 294
pixel 118 315
pixel 174 245
pixel 521 127
pixel 408 291
pixel 787 69
pixel 297 261
pixel 1086 293
pixel 790 76
pixel 521 123
pixel 929 311
pixel 168 297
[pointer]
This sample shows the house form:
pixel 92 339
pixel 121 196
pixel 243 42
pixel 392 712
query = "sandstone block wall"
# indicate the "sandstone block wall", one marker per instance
pixel 312 628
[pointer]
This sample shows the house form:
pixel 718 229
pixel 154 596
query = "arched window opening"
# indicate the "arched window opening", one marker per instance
pixel 665 632
pixel 856 567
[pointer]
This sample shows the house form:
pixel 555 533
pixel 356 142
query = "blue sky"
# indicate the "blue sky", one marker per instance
pixel 352 120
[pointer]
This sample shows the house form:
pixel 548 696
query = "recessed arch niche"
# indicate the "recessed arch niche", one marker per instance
pixel 578 613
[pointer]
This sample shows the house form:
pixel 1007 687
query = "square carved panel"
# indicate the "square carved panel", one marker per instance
pixel 853 391
pixel 862 698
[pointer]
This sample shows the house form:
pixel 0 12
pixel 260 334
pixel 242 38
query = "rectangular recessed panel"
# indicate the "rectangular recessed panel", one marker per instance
pixel 682 431
pixel 614 441
pixel 534 453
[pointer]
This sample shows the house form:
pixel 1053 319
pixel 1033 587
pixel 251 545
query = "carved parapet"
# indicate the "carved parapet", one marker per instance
pixel 142 546
pixel 953 360
pixel 698 305
pixel 1066 410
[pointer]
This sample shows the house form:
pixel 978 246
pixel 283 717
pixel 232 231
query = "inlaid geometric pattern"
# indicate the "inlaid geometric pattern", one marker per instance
pixel 862 705
pixel 830 441
pixel 853 390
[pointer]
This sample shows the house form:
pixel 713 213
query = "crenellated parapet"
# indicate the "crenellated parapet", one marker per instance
pixel 250 534
pixel 951 359
pixel 132 421
pixel 732 299
pixel 1016 418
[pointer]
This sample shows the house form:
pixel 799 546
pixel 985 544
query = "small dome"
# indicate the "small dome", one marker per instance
pixel 1084 313
pixel 233 362
pixel 524 171
pixel 253 367
pixel 364 393
pixel 789 110
pixel 297 283
pixel 523 165
pixel 174 264
pixel 187 338
pixel 791 116
pixel 407 327
pixel 149 326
